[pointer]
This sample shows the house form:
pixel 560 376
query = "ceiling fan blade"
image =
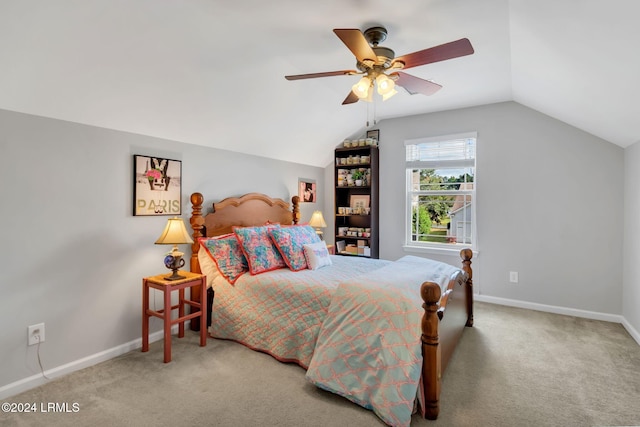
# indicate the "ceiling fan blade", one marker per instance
pixel 442 52
pixel 415 84
pixel 327 74
pixel 357 44
pixel 350 99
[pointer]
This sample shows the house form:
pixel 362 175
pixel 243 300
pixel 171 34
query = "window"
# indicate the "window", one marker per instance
pixel 441 191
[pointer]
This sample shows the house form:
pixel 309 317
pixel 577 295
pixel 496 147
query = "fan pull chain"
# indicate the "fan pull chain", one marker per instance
pixel 367 115
pixel 374 112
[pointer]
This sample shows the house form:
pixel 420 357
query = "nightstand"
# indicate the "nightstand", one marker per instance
pixel 168 286
pixel 331 249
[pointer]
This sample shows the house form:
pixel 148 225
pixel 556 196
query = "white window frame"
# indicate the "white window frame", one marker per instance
pixel 435 247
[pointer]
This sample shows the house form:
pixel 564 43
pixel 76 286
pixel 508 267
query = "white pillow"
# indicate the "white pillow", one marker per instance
pixel 317 255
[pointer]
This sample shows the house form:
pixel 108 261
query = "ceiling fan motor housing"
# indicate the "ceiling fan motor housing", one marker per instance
pixel 385 55
pixel 383 61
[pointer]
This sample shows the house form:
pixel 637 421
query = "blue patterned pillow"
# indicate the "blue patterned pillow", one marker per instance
pixel 290 242
pixel 226 253
pixel 258 248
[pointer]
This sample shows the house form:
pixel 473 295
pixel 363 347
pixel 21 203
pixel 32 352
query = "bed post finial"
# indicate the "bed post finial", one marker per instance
pixel 430 293
pixel 197 223
pixel 466 255
pixel 295 201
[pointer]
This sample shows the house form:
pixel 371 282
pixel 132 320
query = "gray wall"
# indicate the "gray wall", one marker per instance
pixel 631 287
pixel 549 206
pixel 73 255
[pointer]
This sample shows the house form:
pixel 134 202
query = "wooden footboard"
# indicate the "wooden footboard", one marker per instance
pixel 443 322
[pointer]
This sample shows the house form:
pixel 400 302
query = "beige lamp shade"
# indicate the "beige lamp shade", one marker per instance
pixel 175 233
pixel 317 220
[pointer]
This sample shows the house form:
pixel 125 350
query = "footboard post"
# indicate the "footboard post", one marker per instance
pixel 466 255
pixel 431 373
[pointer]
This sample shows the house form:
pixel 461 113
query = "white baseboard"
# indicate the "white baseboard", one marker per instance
pixel 635 334
pixel 37 380
pixel 615 318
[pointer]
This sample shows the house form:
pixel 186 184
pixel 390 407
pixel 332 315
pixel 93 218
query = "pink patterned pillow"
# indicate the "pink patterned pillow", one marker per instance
pixel 290 242
pixel 258 248
pixel 225 251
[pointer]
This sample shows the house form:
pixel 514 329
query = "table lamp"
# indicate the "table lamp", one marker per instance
pixel 174 234
pixel 317 222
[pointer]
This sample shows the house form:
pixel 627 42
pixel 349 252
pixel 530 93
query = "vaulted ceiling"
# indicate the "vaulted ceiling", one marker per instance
pixel 211 72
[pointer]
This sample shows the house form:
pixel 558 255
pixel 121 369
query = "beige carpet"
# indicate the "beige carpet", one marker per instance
pixel 514 368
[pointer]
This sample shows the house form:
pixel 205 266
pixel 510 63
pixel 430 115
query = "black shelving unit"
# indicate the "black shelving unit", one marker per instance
pixel 354 224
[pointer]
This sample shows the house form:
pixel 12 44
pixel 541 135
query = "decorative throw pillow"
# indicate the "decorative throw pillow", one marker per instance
pixel 225 251
pixel 317 255
pixel 290 241
pixel 258 248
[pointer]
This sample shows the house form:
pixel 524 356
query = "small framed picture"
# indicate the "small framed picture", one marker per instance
pixel 157 186
pixel 359 201
pixel 307 190
pixel 340 246
pixel 374 133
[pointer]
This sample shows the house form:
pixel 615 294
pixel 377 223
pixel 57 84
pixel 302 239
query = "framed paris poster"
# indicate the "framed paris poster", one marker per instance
pixel 157 186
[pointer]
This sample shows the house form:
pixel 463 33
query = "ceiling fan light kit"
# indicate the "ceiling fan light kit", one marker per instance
pixel 374 62
pixel 364 88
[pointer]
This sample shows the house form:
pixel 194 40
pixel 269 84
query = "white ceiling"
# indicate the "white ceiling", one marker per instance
pixel 211 72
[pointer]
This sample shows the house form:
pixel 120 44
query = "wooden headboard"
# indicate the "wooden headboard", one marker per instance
pixel 252 209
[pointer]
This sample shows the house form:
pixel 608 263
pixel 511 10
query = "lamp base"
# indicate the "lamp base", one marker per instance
pixel 173 263
pixel 175 276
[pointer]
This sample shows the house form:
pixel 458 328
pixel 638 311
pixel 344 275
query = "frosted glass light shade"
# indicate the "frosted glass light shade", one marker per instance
pixel 361 89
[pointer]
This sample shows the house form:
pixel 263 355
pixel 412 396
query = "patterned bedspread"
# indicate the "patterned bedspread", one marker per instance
pixel 280 312
pixel 369 347
pixel 354 325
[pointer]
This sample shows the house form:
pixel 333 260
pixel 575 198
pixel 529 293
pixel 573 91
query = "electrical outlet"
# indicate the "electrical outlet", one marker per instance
pixel 36 334
pixel 513 276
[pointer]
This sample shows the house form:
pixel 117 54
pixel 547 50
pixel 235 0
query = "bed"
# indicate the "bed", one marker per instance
pixel 308 321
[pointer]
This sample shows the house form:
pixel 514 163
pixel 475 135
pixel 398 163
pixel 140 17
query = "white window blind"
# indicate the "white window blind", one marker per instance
pixel 440 189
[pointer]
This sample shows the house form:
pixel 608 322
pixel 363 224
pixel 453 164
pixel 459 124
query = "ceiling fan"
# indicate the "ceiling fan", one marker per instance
pixel 378 64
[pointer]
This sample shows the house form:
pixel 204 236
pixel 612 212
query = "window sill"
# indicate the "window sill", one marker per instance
pixel 451 251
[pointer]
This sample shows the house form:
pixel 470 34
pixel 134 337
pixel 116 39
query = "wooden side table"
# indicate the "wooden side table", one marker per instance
pixel 331 249
pixel 168 286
